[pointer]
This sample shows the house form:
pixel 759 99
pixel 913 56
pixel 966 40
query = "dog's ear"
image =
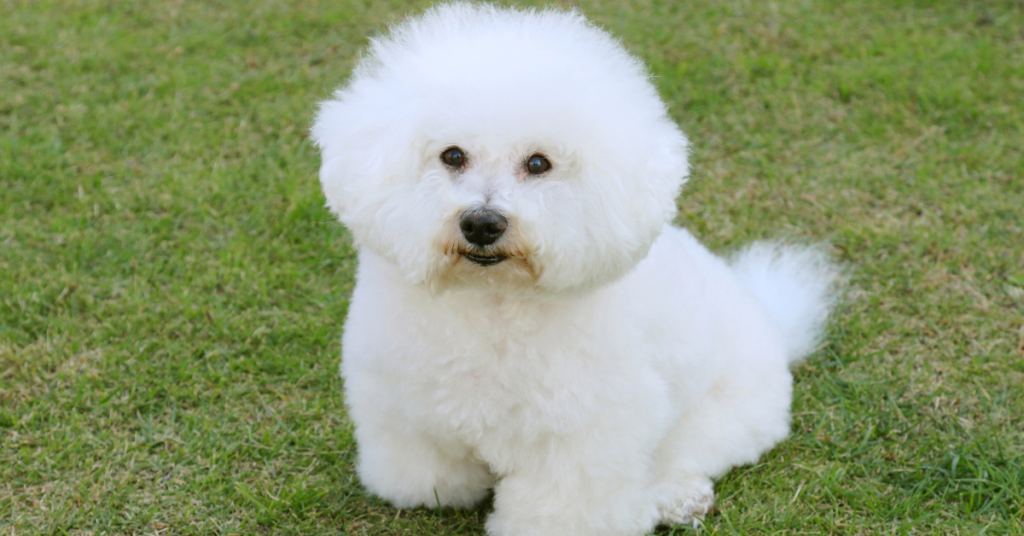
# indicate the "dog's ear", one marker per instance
pixel 668 166
pixel 365 148
pixel 664 170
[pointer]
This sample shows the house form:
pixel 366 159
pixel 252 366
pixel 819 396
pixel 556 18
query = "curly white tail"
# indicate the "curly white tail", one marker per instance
pixel 798 285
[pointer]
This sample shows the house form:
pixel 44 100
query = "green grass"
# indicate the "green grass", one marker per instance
pixel 172 291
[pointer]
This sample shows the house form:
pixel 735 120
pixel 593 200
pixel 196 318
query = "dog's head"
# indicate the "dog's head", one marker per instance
pixel 479 146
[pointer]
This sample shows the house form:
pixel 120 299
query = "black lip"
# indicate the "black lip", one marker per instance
pixel 485 260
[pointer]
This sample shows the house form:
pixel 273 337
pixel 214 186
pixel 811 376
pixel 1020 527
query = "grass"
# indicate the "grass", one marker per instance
pixel 172 290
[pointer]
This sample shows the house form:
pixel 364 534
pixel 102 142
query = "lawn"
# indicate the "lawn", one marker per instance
pixel 172 290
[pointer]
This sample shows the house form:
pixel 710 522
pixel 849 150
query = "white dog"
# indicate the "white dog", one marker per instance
pixel 525 318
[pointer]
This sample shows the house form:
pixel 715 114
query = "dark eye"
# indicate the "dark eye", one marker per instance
pixel 537 164
pixel 454 157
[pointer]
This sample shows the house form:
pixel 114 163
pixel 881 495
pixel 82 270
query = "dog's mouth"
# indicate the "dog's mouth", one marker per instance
pixel 484 260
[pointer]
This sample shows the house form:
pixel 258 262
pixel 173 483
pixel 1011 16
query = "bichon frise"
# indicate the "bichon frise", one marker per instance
pixel 525 317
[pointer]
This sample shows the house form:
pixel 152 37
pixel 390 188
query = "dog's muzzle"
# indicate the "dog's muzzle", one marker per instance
pixel 482 227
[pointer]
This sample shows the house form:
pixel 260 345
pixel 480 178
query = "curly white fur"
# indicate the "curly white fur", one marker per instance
pixel 601 375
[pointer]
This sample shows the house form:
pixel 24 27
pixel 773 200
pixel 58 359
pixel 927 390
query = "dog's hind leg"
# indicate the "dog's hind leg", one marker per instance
pixel 683 501
pixel 410 469
pixel 741 416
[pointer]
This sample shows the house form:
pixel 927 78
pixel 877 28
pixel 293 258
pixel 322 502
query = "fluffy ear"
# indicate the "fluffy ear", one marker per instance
pixel 664 171
pixel 364 148
pixel 339 133
pixel 668 168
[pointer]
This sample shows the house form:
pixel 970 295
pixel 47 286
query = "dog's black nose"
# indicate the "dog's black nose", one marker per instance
pixel 482 226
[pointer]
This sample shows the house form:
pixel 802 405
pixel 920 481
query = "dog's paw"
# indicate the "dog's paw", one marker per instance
pixel 687 503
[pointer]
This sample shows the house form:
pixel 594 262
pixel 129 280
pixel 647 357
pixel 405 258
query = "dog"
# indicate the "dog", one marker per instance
pixel 526 319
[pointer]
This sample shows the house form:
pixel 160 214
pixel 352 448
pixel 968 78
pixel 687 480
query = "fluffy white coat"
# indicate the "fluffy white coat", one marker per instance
pixel 609 367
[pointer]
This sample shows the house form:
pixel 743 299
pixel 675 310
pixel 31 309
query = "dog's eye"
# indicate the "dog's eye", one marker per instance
pixel 454 157
pixel 537 164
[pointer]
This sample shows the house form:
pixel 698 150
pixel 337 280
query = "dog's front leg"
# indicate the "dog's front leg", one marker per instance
pixel 410 469
pixel 593 486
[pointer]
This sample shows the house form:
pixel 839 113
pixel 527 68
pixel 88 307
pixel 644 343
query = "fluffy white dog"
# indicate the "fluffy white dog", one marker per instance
pixel 525 318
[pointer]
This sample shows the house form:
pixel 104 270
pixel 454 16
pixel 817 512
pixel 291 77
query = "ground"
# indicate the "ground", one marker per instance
pixel 172 290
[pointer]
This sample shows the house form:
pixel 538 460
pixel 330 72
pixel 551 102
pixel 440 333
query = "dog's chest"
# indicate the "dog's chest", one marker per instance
pixel 490 379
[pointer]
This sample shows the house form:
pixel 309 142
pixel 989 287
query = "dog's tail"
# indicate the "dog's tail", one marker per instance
pixel 798 285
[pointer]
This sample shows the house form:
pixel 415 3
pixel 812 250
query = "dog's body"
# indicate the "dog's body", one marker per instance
pixel 524 319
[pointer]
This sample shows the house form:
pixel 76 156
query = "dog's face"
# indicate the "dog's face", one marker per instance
pixel 527 153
